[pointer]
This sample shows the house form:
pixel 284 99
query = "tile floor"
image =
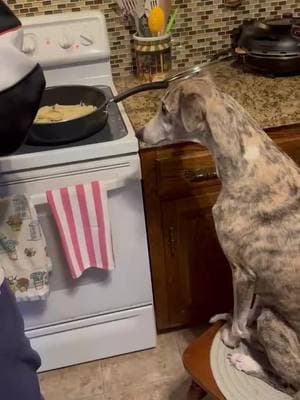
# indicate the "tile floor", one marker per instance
pixel 155 374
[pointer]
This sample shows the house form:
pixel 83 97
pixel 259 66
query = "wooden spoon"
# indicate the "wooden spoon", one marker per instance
pixel 166 6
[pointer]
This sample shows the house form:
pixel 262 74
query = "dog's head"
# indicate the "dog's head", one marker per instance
pixel 182 114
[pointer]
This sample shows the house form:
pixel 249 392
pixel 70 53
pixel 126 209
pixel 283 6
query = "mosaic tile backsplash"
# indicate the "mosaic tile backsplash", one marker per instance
pixel 202 27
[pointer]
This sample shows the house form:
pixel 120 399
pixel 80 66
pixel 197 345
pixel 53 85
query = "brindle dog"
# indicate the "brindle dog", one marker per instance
pixel 257 219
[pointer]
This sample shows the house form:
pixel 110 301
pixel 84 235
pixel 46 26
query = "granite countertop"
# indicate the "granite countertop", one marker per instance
pixel 273 102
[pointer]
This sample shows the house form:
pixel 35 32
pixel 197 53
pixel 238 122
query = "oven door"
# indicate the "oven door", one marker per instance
pixel 97 291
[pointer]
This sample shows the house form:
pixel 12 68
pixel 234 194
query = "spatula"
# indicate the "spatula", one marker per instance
pixel 156 21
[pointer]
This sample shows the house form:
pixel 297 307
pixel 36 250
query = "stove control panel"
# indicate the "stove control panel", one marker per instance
pixel 66 39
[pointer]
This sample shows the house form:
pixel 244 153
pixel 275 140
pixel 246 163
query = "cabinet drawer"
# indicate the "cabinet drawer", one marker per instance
pixel 183 170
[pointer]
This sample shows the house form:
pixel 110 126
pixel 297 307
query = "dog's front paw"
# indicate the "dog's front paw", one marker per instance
pixel 228 338
pixel 244 363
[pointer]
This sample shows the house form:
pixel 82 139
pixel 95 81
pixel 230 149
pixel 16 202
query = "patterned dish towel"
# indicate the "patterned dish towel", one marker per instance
pixel 23 253
pixel 82 217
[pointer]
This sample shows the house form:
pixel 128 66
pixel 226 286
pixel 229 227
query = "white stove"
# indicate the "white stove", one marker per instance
pixel 102 313
pixel 72 48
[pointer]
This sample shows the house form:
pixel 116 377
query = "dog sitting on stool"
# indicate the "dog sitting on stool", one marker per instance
pixel 257 219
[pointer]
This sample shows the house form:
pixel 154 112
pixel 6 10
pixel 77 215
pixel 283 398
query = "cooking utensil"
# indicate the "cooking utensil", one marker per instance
pixel 149 4
pixel 171 23
pixel 57 133
pixel 138 7
pixel 156 21
pixel 144 26
pixel 135 9
pixel 166 6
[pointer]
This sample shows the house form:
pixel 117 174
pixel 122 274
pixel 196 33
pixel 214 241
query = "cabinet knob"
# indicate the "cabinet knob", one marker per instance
pixel 199 175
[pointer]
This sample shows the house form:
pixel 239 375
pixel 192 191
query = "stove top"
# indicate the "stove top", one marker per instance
pixel 114 129
pixel 58 43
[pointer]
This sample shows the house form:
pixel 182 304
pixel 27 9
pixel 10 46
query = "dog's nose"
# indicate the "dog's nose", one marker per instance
pixel 140 133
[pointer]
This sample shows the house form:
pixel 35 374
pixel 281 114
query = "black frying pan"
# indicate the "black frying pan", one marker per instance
pixel 58 133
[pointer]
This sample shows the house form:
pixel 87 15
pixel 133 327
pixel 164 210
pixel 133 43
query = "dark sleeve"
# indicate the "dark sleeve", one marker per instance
pixel 18 361
pixel 21 85
pixel 18 107
pixel 8 20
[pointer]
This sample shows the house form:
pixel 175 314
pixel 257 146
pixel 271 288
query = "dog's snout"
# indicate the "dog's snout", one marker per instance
pixel 140 133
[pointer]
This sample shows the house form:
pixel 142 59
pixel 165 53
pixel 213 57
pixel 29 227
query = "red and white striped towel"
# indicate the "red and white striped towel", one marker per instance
pixel 81 215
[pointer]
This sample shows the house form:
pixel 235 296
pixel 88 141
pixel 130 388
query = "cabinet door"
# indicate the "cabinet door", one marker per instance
pixel 198 274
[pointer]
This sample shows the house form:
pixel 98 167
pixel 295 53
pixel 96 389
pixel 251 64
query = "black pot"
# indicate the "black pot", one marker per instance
pixel 69 131
pixel 270 46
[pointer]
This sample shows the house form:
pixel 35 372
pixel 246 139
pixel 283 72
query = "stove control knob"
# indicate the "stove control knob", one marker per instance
pixel 29 44
pixel 65 42
pixel 86 40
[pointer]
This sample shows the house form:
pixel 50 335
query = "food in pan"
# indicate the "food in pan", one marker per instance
pixel 62 113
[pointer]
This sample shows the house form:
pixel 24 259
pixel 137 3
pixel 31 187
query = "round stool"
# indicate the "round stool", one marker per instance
pixel 196 360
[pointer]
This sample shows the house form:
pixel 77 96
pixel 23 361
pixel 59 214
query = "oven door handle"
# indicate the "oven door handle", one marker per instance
pixel 41 198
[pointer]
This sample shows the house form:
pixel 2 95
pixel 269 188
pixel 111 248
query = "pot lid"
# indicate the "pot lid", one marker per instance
pixel 277 36
pixel 286 21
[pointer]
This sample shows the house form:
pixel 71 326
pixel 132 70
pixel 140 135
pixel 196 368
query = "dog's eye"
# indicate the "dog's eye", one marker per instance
pixel 164 108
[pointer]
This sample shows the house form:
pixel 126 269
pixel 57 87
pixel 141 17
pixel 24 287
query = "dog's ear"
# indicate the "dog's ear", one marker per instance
pixel 194 94
pixel 191 110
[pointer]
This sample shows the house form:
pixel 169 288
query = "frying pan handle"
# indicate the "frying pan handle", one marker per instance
pixel 140 88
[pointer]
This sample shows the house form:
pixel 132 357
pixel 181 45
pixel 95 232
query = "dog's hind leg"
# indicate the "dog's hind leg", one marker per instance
pixel 282 346
pixel 251 358
pixel 248 365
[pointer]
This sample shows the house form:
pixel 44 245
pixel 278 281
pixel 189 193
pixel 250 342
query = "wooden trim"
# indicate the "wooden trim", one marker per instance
pixel 155 239
pixel 286 129
pixel 274 132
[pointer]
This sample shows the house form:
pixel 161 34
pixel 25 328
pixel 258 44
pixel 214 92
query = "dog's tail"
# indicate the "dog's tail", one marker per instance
pixel 221 317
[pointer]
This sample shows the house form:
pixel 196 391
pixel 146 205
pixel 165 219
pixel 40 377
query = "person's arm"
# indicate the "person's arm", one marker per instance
pixel 21 87
pixel 21 84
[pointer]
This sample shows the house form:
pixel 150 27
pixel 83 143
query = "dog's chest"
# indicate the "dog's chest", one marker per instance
pixel 232 222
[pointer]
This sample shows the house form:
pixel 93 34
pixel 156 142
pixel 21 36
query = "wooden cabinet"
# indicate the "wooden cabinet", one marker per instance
pixel 197 273
pixel 191 276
